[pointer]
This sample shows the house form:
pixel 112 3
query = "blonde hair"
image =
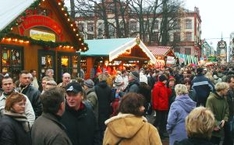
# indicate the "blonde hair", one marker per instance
pixel 200 123
pixel 221 86
pixel 102 77
pixel 181 89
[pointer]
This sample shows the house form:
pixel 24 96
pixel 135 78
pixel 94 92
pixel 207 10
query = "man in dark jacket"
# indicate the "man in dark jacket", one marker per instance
pixel 202 87
pixel 105 97
pixel 47 129
pixel 133 82
pixel 78 119
pixel 228 127
pixel 32 93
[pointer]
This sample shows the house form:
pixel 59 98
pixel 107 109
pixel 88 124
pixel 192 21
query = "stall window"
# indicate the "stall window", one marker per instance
pixel 12 60
pixel 46 61
pixel 69 63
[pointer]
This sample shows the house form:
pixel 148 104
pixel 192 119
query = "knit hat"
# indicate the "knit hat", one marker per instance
pixel 171 78
pixel 135 75
pixel 74 87
pixel 162 78
pixel 89 83
pixel 200 70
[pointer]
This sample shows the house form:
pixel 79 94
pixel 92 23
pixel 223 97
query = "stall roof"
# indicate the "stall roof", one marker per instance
pixel 160 50
pixel 114 47
pixel 11 9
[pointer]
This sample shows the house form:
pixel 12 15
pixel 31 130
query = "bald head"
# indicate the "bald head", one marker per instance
pixel 66 78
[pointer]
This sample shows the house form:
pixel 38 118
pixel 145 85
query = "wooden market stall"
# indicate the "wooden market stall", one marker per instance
pixel 115 54
pixel 164 55
pixel 38 34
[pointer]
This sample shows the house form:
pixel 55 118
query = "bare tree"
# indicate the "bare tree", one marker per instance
pixel 72 4
pixel 170 16
pixel 117 14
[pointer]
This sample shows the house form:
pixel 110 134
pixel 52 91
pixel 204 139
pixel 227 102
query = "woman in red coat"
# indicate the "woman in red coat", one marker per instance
pixel 160 103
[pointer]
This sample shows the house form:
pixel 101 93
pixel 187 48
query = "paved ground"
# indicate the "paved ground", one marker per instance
pixel 165 142
pixel 151 119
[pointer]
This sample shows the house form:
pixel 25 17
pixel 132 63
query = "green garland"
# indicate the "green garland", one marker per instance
pixel 44 44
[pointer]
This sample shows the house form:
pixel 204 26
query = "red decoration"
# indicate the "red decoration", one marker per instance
pixel 40 20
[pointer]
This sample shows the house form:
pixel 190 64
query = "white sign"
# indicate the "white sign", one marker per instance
pixel 170 60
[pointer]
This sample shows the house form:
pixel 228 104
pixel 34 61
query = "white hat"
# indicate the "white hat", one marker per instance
pixel 143 78
pixel 118 81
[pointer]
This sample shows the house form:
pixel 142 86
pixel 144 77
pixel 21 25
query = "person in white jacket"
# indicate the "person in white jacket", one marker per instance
pixel 8 88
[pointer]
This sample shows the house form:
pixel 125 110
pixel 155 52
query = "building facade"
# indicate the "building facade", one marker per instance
pixel 187 32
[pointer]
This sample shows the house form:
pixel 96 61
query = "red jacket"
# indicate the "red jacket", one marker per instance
pixel 160 96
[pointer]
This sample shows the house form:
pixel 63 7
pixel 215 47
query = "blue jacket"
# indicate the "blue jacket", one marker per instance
pixel 179 109
pixel 202 86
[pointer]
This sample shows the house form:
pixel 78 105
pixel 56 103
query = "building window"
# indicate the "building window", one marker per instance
pixel 177 24
pixel 154 37
pixel 177 49
pixel 81 27
pixel 188 51
pixel 90 27
pixel 111 31
pixel 188 36
pixel 177 36
pixel 133 26
pixel 156 25
pixel 188 24
pixel 90 36
pixel 110 8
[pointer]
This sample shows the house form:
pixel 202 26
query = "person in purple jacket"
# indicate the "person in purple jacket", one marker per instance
pixel 179 109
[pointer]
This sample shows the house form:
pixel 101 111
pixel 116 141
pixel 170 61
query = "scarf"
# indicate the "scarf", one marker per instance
pixel 20 118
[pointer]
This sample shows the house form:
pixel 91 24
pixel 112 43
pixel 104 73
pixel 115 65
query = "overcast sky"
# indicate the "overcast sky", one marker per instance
pixel 217 18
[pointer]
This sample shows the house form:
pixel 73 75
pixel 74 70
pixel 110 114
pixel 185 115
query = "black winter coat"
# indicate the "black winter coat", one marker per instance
pixel 81 126
pixel 12 132
pixel 34 97
pixel 105 97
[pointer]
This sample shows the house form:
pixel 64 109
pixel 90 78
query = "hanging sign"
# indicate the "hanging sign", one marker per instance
pixel 40 21
pixel 40 35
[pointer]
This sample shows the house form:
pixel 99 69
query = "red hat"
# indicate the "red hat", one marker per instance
pixel 171 78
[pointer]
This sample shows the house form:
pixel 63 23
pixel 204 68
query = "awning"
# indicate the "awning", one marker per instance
pixel 161 50
pixel 11 9
pixel 115 47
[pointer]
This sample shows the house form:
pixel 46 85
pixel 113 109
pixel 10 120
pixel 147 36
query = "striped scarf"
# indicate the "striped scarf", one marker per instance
pixel 20 118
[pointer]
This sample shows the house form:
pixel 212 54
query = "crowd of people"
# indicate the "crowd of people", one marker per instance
pixel 190 105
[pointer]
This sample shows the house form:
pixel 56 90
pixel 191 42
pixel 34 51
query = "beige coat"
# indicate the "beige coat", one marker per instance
pixel 132 130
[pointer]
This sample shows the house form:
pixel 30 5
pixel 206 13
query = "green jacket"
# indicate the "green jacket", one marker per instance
pixel 219 106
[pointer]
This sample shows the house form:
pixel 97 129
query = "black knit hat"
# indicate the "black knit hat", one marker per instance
pixel 162 78
pixel 200 70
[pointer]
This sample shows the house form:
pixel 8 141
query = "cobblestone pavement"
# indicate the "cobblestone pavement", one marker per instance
pixel 165 142
pixel 151 119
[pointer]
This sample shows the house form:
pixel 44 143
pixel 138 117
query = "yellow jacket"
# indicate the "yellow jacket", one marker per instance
pixel 131 130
